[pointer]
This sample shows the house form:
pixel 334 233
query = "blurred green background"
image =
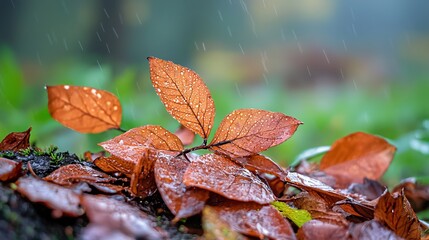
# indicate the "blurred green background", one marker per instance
pixel 338 66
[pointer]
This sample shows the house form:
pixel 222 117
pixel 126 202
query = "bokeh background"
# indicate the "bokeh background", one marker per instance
pixel 339 66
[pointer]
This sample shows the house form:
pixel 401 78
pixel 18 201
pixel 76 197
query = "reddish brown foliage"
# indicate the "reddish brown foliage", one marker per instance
pixel 260 163
pixel 16 141
pixel 9 170
pixel 84 109
pixel 185 135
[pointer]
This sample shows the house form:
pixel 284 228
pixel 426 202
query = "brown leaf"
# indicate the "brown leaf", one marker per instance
pixel 255 220
pixel 247 132
pixel 134 143
pixel 9 170
pixel 369 188
pixel 114 164
pixel 185 135
pixel 73 173
pixel 61 200
pixel 84 109
pixel 118 216
pixel 182 201
pixel 395 211
pixel 184 95
pixel 16 141
pixel 260 163
pixel 91 157
pixel 215 228
pixel 357 156
pixel 371 230
pixel 416 193
pixel 316 229
pixel 222 176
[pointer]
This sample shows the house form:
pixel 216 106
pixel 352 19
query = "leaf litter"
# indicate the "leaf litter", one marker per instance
pixel 230 189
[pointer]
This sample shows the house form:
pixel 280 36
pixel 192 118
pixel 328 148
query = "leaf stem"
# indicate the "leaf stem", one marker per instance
pixel 203 146
pixel 121 129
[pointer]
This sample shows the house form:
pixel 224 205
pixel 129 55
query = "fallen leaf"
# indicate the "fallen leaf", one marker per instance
pixel 395 212
pixel 84 109
pixel 73 173
pixel 90 157
pixel 113 164
pixel 255 220
pixel 371 230
pixel 118 216
pixel 185 135
pixel 133 144
pixel 182 201
pixel 9 170
pixel 97 231
pixel 369 188
pixel 416 193
pixel 16 141
pixel 184 95
pixel 247 132
pixel 316 229
pixel 216 229
pixel 61 200
pixel 357 156
pixel 297 216
pixel 260 163
pixel 222 176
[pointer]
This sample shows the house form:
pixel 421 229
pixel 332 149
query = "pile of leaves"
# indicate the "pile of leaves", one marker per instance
pixel 234 192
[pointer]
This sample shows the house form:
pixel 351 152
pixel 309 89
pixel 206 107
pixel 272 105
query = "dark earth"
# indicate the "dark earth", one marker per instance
pixel 23 219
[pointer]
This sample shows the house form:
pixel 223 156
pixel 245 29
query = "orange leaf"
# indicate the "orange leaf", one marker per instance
pixel 185 135
pixel 73 173
pixel 84 109
pixel 395 212
pixel 182 201
pixel 220 175
pixel 16 141
pixel 184 95
pixel 357 156
pixel 133 144
pixel 255 220
pixel 261 163
pixel 246 132
pixel 114 164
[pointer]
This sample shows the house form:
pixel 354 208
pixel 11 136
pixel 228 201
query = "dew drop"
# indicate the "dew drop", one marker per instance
pixel 121 142
pixel 115 108
pixel 66 87
pixel 98 95
pixel 108 103
pixel 94 91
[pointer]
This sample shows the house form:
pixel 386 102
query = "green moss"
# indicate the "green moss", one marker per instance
pixel 298 216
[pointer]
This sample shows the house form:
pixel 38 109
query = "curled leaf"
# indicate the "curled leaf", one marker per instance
pixel 357 156
pixel 73 173
pixel 84 109
pixel 16 141
pixel 182 201
pixel 247 132
pixel 9 170
pixel 222 176
pixel 184 95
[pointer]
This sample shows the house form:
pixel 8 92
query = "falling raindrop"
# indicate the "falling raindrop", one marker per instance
pixel 344 45
pixel 108 49
pixel 354 29
pixel 204 47
pixel 241 48
pixel 39 59
pixel 102 27
pixel 114 31
pixel 65 44
pixel 229 31
pixel 220 15
pixel 80 44
pixel 98 35
pixel 275 10
pixel 326 56
pixel 50 39
pixel 309 72
pixel 121 19
pixel 105 11
pixel 138 18
pixel 13 4
pixel 99 65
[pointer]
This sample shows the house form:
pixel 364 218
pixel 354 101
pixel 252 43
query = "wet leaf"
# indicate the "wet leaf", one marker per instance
pixel 371 230
pixel 184 95
pixel 316 229
pixel 185 135
pixel 61 200
pixel 9 170
pixel 73 173
pixel 395 211
pixel 247 132
pixel 222 176
pixel 297 216
pixel 369 188
pixel 84 109
pixel 215 228
pixel 134 143
pixel 182 201
pixel 123 218
pixel 255 220
pixel 357 156
pixel 417 193
pixel 260 163
pixel 90 157
pixel 16 141
pixel 114 164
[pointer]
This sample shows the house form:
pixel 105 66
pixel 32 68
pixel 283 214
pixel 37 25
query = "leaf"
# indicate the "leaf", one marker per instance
pixel 247 132
pixel 61 200
pixel 9 170
pixel 297 216
pixel 133 144
pixel 114 215
pixel 16 141
pixel 255 220
pixel 357 156
pixel 182 201
pixel 114 164
pixel 184 95
pixel 369 188
pixel 417 193
pixel 261 163
pixel 308 154
pixel 222 176
pixel 73 173
pixel 84 109
pixel 91 157
pixel 371 230
pixel 316 229
pixel 185 135
pixel 214 228
pixel 395 212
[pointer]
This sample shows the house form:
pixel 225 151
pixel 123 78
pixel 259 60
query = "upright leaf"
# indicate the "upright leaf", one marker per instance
pixel 184 95
pixel 16 141
pixel 357 156
pixel 246 132
pixel 84 109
